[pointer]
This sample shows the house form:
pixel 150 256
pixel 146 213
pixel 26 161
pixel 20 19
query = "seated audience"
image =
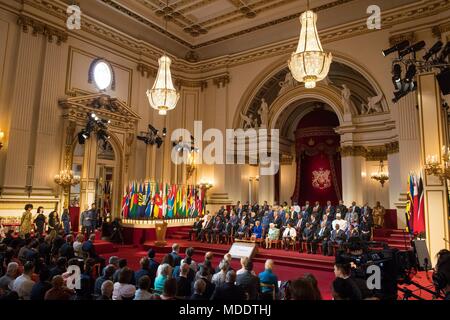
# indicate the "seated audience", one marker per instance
pixel 175 255
pixel 41 287
pixel 143 293
pixel 248 281
pixel 272 235
pixel 23 284
pixel 183 282
pixel 268 280
pixel 123 290
pixel 166 272
pixel 108 274
pixel 58 290
pixel 196 228
pixel 106 289
pixel 199 290
pixel 12 272
pixel 169 290
pixel 289 236
pixel 229 290
pixel 219 278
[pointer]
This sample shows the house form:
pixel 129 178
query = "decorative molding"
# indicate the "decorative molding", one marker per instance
pixel 353 151
pixel 146 70
pixel 286 159
pixel 221 81
pixel 376 153
pixel 410 36
pixel 392 147
pixel 440 29
pixel 202 84
pixel 38 27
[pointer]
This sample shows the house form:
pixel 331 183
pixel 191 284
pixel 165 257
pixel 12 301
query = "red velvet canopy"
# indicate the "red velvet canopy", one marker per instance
pixel 318 176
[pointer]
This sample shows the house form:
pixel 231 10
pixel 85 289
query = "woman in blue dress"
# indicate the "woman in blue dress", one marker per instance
pixel 65 218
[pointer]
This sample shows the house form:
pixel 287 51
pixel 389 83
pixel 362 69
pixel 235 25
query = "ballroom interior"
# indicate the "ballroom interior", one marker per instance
pixel 231 63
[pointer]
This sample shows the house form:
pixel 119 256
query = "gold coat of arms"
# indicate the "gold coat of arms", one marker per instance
pixel 321 179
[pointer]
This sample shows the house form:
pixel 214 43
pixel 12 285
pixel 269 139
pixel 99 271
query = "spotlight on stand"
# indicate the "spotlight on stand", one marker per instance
pixel 399 46
pixel 94 124
pixel 397 76
pixel 433 50
pixel 412 49
pixel 151 137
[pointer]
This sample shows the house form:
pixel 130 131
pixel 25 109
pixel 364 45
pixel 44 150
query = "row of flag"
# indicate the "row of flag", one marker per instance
pixel 416 205
pixel 153 200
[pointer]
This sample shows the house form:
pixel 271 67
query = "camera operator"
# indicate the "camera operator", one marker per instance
pixel 441 275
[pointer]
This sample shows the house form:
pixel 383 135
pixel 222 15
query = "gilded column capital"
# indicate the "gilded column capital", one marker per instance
pixel 410 36
pixel 37 27
pixel 353 151
pixel 146 70
pixel 392 147
pixel 221 81
pixel 440 29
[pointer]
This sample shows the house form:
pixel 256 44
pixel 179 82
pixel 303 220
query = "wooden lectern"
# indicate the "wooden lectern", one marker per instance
pixel 160 228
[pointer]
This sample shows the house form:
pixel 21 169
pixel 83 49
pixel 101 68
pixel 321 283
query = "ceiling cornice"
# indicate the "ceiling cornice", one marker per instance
pixel 57 9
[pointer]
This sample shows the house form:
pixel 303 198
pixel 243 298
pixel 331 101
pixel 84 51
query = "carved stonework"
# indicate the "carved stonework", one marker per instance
pixel 191 84
pixel 38 27
pixel 392 147
pixel 440 29
pixel 221 81
pixel 146 70
pixel 393 40
pixel 376 153
pixel 353 151
pixel 286 158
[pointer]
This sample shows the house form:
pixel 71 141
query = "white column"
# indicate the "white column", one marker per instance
pixel 266 191
pixel 353 165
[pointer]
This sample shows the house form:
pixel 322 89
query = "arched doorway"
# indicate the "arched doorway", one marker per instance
pixel 318 164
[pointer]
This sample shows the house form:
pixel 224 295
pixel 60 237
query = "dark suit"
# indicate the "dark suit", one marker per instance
pixel 242 232
pixel 228 291
pixel 196 228
pixel 67 251
pixel 183 287
pixel 336 237
pixel 216 229
pixel 153 268
pixel 249 283
pixel 206 229
pixel 307 236
pixel 176 258
pixel 278 222
pixel 321 236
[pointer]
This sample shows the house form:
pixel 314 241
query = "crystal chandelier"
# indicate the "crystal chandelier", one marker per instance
pixel 309 63
pixel 381 176
pixel 163 96
pixel 66 178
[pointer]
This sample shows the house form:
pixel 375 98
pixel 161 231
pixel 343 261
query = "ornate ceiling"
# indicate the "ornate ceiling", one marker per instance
pixel 201 29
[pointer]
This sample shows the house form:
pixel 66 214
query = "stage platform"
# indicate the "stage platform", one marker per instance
pixel 281 257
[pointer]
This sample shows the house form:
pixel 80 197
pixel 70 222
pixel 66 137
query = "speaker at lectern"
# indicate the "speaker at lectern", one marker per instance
pixel 243 249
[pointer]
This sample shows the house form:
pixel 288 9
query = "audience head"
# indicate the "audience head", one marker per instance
pixel 44 274
pixel 80 237
pixel 314 284
pixel 109 271
pixel 125 275
pixel 342 270
pixel 58 282
pixel 168 259
pixel 249 266
pixel 123 263
pixel 227 257
pixel 301 289
pixel 184 269
pixel 12 269
pixel 189 252
pixel 337 226
pixel 92 237
pixel 61 262
pixel 166 270
pixel 176 247
pixel 230 277
pixel 40 210
pixel 269 264
pixel 244 261
pixel 114 260
pixel 28 207
pixel 224 265
pixel 28 268
pixel 199 286
pixel 343 290
pixel 170 288
pixel 107 288
pixel 151 253
pixel 209 256
pixel 144 283
pixel 145 263
pixel 69 238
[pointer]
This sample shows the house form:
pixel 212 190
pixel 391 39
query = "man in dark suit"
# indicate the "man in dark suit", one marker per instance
pixel 66 249
pixel 175 254
pixel 152 265
pixel 249 282
pixel 196 228
pixel 342 208
pixel 226 231
pixel 207 226
pixel 89 249
pixel 318 210
pixel 337 237
pixel 204 275
pixel 242 231
pixel 183 283
pixel 301 223
pixel 306 236
pixel 277 220
pixel 229 291
pixel 216 229
pixel 199 290
pixel 366 211
pixel 355 209
pixel 331 210
pixel 321 236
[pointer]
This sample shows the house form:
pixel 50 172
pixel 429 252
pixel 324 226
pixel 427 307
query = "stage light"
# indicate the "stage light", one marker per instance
pixel 399 46
pixel 164 132
pixel 83 135
pixel 433 50
pixel 414 48
pixel 397 76
pixel 410 73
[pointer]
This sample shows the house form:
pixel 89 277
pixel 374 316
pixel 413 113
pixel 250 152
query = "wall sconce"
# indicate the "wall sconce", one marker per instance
pixel 380 176
pixel 434 167
pixel 205 185
pixel 2 135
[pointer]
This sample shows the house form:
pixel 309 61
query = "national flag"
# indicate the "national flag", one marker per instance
pixel 419 217
pixel 125 204
pixel 171 201
pixel 148 201
pixel 183 205
pixel 141 202
pixel 409 205
pixel 191 202
pixel 157 202
pixel 134 203
pixel 177 208
pixel 415 204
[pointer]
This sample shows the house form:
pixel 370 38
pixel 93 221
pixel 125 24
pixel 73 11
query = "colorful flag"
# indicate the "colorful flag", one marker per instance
pixel 125 204
pixel 141 202
pixel 409 205
pixel 183 206
pixel 419 217
pixel 415 197
pixel 171 201
pixel 134 203
pixel 148 201
pixel 156 202
pixel 177 202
